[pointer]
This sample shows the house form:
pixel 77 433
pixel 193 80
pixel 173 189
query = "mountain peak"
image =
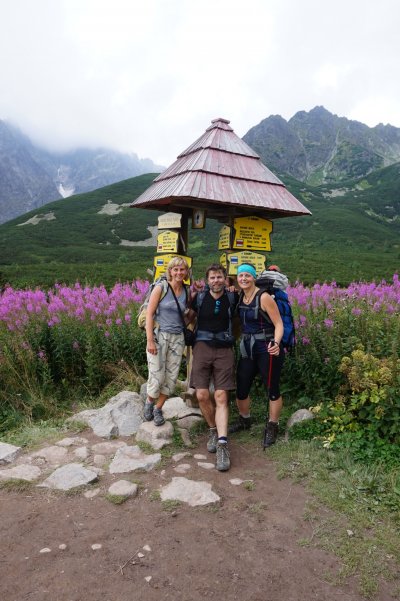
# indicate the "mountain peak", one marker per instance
pixel 319 147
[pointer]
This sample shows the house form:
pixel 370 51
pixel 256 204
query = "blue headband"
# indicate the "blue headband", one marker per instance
pixel 247 269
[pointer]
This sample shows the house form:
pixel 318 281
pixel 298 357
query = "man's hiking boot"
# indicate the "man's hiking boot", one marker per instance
pixel 148 411
pixel 270 434
pixel 158 417
pixel 223 462
pixel 243 423
pixel 212 440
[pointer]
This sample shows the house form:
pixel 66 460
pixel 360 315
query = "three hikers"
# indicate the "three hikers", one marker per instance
pixel 261 348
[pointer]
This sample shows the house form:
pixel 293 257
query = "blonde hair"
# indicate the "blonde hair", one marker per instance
pixel 175 262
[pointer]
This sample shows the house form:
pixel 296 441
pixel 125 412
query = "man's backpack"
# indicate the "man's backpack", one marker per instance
pixel 267 284
pixel 141 319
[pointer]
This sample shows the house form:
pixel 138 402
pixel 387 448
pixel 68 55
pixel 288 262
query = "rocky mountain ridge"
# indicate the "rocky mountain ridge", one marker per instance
pixel 30 176
pixel 319 147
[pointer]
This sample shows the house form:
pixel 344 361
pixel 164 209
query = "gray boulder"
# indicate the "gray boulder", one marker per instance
pixel 69 476
pixel 189 491
pixel 8 452
pixel 121 416
pixel 156 436
pixel 132 459
pixel 298 416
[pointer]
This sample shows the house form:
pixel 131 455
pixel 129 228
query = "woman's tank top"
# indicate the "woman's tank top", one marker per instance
pixel 167 314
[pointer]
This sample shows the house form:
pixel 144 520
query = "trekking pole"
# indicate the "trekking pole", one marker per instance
pixel 269 387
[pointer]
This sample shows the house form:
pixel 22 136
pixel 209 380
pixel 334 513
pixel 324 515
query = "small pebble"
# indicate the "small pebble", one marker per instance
pixel 62 547
pixel 147 578
pixel 96 546
pixel 350 533
pixel 236 481
pixel 199 457
pixel 140 554
pixel 147 548
pixel 45 550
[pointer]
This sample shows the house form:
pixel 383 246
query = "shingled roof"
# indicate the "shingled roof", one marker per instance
pixel 221 173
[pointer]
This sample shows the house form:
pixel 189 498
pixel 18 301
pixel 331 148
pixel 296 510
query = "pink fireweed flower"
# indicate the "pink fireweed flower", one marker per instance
pixel 305 340
pixel 328 323
pixel 356 311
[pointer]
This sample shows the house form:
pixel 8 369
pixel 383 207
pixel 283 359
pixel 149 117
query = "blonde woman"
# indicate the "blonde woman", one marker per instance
pixel 165 344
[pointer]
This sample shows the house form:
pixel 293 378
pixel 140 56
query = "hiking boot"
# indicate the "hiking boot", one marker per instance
pixel 270 434
pixel 223 462
pixel 243 423
pixel 148 411
pixel 212 440
pixel 158 417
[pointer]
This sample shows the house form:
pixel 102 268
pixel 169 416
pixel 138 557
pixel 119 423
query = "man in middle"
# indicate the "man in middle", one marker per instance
pixel 213 359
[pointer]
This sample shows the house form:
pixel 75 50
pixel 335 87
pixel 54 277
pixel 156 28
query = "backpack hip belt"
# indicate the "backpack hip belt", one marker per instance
pixel 252 338
pixel 205 336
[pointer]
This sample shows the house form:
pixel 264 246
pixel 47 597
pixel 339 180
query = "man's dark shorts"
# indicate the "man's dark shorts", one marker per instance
pixel 212 362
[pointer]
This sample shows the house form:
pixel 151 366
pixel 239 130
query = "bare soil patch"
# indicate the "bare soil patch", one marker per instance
pixel 245 548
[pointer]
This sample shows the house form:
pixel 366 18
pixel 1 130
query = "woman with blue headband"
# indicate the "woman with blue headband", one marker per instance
pixel 261 352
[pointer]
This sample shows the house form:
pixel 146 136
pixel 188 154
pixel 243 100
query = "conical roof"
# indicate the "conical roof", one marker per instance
pixel 221 173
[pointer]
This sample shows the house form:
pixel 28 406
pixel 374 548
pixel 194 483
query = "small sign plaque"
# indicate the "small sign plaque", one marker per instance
pixel 252 233
pixel 169 221
pixel 198 219
pixel 245 256
pixel 167 242
pixel 224 238
pixel 223 261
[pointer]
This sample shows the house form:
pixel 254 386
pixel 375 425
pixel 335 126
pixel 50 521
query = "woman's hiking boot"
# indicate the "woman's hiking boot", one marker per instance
pixel 270 434
pixel 223 462
pixel 148 410
pixel 212 440
pixel 243 423
pixel 158 417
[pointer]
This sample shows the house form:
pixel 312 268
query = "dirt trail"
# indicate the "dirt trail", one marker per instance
pixel 245 548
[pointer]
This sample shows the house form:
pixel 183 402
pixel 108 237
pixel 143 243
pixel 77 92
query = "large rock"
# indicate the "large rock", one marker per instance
pixel 123 488
pixel 121 416
pixel 69 476
pixel 8 452
pixel 298 416
pixel 52 455
pixel 132 459
pixel 156 436
pixel 21 472
pixel 71 442
pixel 176 408
pixel 189 491
pixel 109 447
pixel 189 421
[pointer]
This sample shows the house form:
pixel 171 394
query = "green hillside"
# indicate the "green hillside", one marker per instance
pixel 352 234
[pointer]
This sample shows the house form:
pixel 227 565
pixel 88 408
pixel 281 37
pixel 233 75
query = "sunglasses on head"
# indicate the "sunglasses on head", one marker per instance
pixel 217 307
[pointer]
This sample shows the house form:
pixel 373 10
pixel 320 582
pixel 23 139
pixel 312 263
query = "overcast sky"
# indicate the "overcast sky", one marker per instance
pixel 148 76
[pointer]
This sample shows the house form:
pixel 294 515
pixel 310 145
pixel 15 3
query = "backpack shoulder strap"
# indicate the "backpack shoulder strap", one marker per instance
pixel 258 309
pixel 232 301
pixel 164 288
pixel 200 299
